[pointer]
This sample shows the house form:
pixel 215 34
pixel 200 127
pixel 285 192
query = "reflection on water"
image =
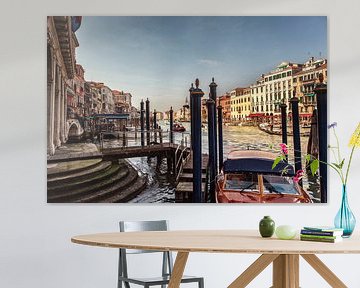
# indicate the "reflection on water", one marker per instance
pixel 161 186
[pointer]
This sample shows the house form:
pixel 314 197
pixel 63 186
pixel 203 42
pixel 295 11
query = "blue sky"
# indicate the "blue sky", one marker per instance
pixel 159 57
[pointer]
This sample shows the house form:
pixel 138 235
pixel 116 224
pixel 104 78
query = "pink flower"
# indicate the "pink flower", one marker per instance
pixel 299 175
pixel 284 148
pixel 300 172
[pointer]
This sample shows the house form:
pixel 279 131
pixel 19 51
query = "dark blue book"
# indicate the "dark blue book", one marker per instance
pixel 322 231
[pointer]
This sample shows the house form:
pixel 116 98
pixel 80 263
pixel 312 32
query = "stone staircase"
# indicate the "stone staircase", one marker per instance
pixel 94 181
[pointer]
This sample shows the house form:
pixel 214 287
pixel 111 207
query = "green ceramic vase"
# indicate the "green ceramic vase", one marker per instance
pixel 267 227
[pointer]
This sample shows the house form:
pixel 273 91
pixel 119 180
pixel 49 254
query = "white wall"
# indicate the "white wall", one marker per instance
pixel 35 248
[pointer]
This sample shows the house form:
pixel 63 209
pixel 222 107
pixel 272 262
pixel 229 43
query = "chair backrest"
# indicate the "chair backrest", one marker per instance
pixel 134 226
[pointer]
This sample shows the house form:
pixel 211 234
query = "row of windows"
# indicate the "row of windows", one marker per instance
pixel 278 76
pixel 238 117
pixel 242 100
pixel 307 89
pixel 307 77
pixel 271 96
pixel 270 87
pixel 268 108
pixel 240 109
pixel 278 86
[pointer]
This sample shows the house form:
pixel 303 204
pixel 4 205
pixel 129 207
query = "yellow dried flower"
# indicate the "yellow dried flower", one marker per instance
pixel 355 138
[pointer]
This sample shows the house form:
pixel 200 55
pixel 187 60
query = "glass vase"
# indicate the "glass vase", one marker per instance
pixel 345 219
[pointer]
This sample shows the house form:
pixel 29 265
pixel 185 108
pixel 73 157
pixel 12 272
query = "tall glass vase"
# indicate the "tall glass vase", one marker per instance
pixel 345 219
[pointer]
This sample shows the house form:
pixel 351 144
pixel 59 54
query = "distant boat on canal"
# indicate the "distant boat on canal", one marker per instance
pixel 268 128
pixel 178 127
pixel 248 177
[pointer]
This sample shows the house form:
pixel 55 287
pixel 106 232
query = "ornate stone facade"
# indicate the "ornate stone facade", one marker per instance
pixel 61 44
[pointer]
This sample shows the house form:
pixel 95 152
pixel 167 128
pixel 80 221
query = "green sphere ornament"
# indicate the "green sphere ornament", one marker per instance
pixel 285 232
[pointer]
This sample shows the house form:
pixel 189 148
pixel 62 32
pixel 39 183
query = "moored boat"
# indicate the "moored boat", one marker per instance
pixel 248 177
pixel 177 127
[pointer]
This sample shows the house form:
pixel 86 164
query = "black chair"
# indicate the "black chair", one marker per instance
pixel 167 265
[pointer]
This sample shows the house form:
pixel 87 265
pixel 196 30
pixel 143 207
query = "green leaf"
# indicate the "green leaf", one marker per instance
pixel 285 171
pixel 277 161
pixel 314 166
pixel 336 165
pixel 308 157
pixel 342 163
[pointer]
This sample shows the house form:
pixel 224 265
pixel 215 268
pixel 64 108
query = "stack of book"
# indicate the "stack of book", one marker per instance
pixel 321 234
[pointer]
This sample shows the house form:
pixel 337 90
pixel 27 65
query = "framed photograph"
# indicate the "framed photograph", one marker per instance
pixel 186 109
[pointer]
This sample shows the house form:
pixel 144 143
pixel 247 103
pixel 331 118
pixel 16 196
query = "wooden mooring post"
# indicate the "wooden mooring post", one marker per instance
pixel 296 133
pixel 212 95
pixel 196 95
pixel 142 122
pixel 283 107
pixel 220 136
pixel 212 154
pixel 147 116
pixel 321 100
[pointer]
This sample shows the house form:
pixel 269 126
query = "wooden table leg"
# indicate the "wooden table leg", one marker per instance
pixel 286 271
pixel 178 269
pixel 253 270
pixel 323 270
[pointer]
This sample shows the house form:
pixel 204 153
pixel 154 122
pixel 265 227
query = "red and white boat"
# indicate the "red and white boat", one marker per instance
pixel 248 177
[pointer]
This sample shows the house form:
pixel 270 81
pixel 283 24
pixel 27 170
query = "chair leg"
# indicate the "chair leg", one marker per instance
pixel 201 283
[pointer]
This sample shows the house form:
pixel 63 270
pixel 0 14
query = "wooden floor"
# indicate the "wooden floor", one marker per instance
pixel 189 165
pixel 184 188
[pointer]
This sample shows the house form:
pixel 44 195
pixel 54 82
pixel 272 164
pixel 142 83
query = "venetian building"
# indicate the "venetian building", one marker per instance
pixel 278 86
pixel 235 104
pixel 88 100
pixel 79 89
pixel 258 96
pixel 224 102
pixel 119 102
pixel 108 105
pixel 204 114
pixel 304 82
pixel 61 44
pixel 127 98
pixel 186 111
pixel 245 104
pixel 96 97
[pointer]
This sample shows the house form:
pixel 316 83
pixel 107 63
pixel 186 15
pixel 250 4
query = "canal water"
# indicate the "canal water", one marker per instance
pixel 161 187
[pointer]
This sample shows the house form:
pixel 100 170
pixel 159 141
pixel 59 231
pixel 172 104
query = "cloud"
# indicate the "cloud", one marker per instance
pixel 209 62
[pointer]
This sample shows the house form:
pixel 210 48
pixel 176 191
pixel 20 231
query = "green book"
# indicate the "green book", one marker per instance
pixel 325 240
pixel 319 236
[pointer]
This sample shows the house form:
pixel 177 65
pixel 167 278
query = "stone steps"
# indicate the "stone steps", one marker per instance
pixel 109 194
pixel 63 169
pixel 94 182
pixel 85 180
pixel 80 175
pixel 124 195
pixel 75 195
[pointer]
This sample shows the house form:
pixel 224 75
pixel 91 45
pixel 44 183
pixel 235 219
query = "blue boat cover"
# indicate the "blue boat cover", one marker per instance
pixel 257 165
